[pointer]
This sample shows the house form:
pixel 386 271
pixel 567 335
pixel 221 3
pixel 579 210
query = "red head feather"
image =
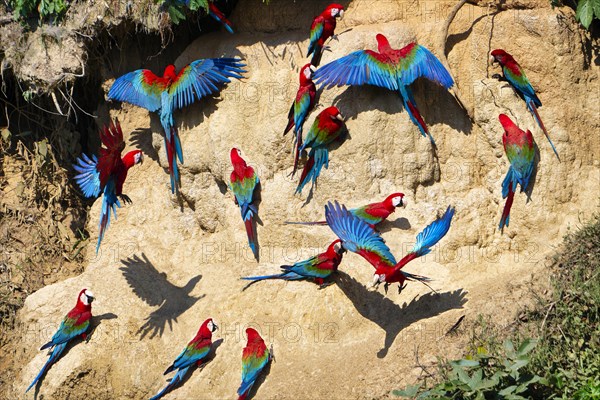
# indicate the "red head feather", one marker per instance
pixel 306 74
pixel 207 328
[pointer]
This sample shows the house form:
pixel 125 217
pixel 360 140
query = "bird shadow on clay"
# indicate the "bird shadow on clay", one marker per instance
pixel 154 289
pixel 211 356
pixel 142 139
pixel 94 323
pixel 400 223
pixel 391 317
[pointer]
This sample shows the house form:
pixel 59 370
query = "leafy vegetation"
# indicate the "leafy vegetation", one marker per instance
pixel 586 11
pixel 42 9
pixel 177 8
pixel 563 363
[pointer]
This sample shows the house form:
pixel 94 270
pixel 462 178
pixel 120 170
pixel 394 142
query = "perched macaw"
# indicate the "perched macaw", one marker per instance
pixel 373 213
pixel 391 69
pixel 515 76
pixel 174 91
pixel 194 353
pixel 520 150
pixel 325 129
pixel 107 173
pixel 76 323
pixel 317 268
pixel 357 236
pixel 302 106
pixel 321 29
pixel 244 181
pixel 255 358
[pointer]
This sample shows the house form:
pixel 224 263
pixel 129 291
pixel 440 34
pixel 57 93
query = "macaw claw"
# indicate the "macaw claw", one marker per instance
pixel 125 199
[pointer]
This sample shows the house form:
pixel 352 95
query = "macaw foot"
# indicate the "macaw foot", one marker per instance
pixel 385 287
pixel 335 37
pixel 499 77
pixel 271 354
pixel 323 285
pixel 326 48
pixel 199 363
pixel 235 201
pixel 401 288
pixel 125 199
pixel 84 336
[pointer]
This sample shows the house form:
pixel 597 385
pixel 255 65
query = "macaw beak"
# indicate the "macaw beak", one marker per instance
pixel 141 158
pixel 375 281
pixel 341 14
pixel 402 203
pixel 493 60
pixel 90 298
pixel 339 116
pixel 215 327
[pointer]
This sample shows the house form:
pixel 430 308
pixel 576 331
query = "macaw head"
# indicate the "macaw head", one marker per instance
pixel 133 157
pixel 499 56
pixel 396 199
pixel 86 297
pixel 335 10
pixel 306 73
pixel 208 327
pixel 253 336
pixel 337 247
pixel 378 279
pixel 170 73
pixel 333 113
pixel 236 156
pixel 383 44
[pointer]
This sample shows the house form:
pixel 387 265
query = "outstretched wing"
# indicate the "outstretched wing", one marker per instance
pixel 141 88
pixel 359 68
pixel 415 61
pixel 88 178
pixel 110 153
pixel 357 236
pixel 433 233
pixel 203 77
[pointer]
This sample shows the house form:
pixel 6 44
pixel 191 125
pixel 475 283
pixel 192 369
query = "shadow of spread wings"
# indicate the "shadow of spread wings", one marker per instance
pixel 146 282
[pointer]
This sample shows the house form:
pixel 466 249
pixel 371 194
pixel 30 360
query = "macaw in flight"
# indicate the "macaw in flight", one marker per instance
pixel 301 107
pixel 76 323
pixel 373 214
pixel 321 29
pixel 195 352
pixel 388 68
pixel 107 174
pixel 358 237
pixel 243 182
pixel 255 358
pixel 317 268
pixel 515 76
pixel 173 91
pixel 326 128
pixel 520 150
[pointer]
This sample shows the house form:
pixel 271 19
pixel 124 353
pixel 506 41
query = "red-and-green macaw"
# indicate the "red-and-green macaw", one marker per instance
pixel 317 268
pixel 301 107
pixel 195 352
pixel 255 358
pixel 520 150
pixel 325 129
pixel 373 213
pixel 389 68
pixel 107 173
pixel 243 182
pixel 76 323
pixel 173 91
pixel 515 76
pixel 358 237
pixel 321 29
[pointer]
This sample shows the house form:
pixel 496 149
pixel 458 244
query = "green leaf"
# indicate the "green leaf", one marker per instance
pixel 43 148
pixel 528 344
pixel 585 13
pixel 464 363
pixel 410 391
pixel 596 7
pixel 507 390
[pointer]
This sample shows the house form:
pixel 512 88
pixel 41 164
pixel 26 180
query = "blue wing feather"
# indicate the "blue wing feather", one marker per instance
pixel 433 233
pixel 109 202
pixel 131 88
pixel 88 178
pixel 355 233
pixel 422 63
